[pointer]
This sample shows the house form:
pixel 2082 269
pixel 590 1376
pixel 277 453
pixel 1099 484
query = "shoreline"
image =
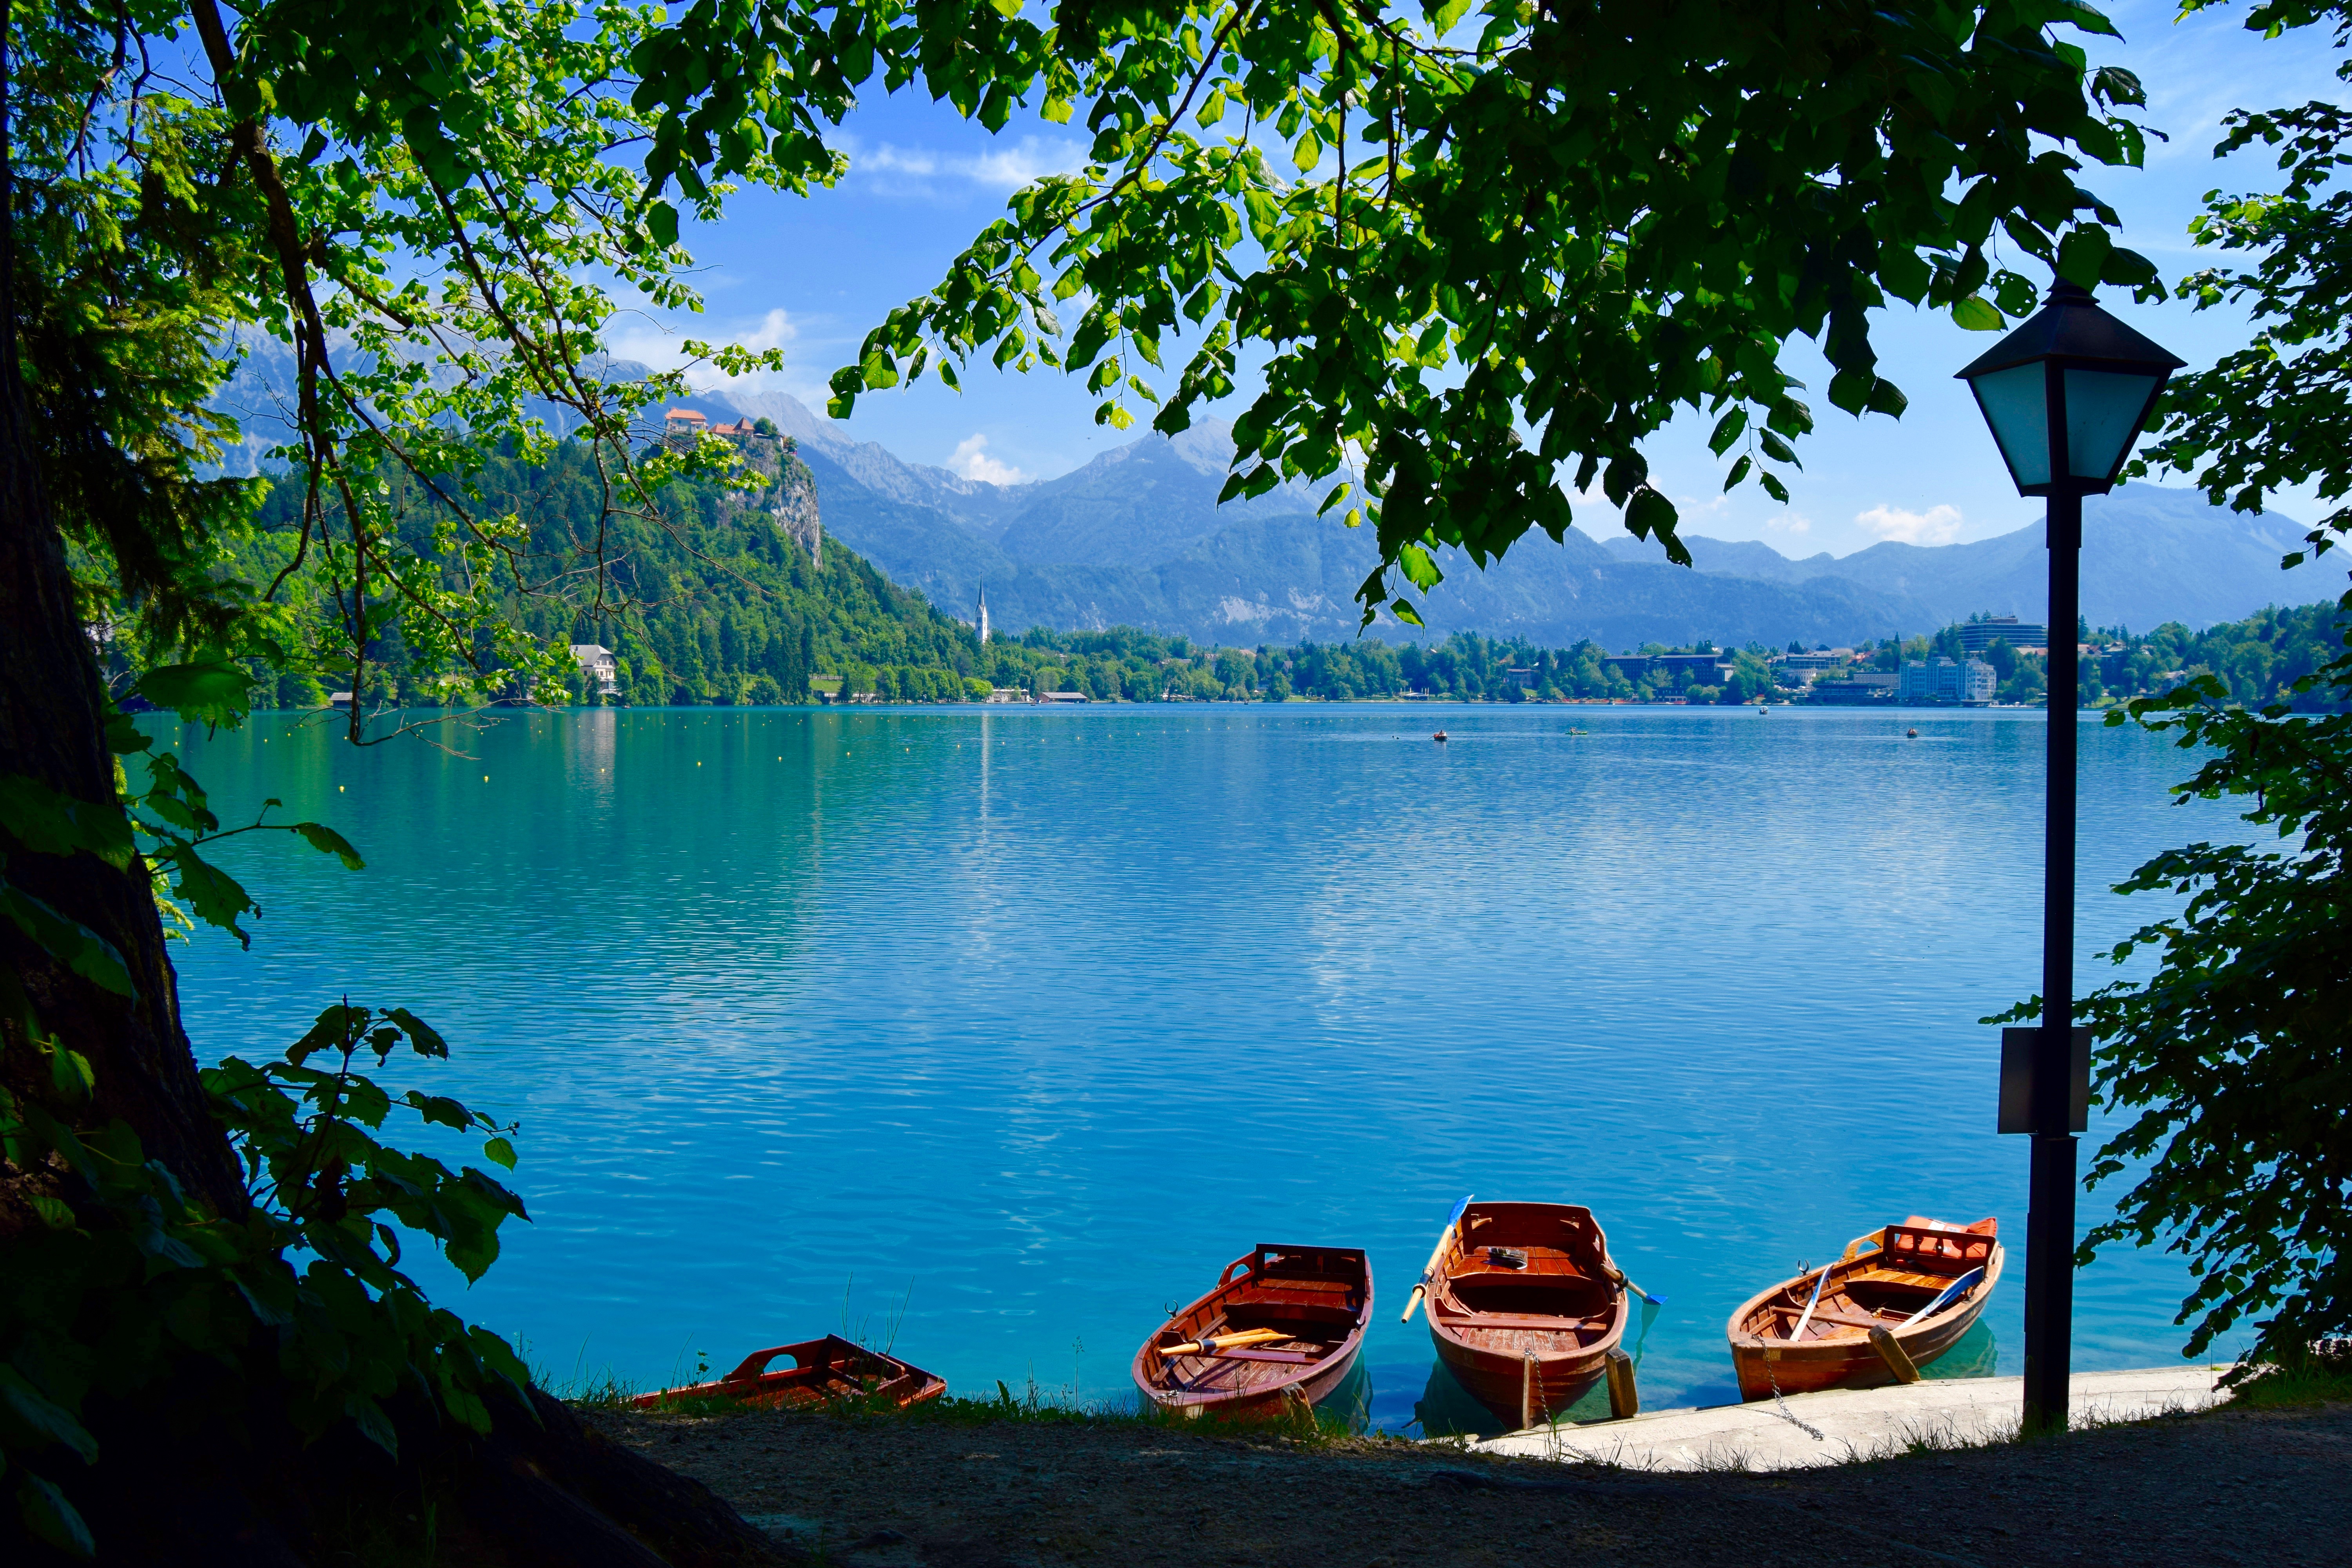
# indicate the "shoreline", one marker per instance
pixel 2230 1485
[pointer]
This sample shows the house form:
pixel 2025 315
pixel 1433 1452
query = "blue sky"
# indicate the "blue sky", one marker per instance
pixel 812 275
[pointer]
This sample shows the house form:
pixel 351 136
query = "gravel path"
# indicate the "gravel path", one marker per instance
pixel 2269 1488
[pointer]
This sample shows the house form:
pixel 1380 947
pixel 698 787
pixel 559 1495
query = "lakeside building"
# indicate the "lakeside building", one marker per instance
pixel 1707 669
pixel 1064 697
pixel 1799 671
pixel 1970 685
pixel 1978 635
pixel 1870 686
pixel 599 664
pixel 1005 694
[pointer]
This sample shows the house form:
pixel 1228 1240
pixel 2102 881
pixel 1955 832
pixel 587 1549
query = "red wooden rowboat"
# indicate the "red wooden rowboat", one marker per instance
pixel 1525 1306
pixel 823 1371
pixel 1880 1284
pixel 1310 1303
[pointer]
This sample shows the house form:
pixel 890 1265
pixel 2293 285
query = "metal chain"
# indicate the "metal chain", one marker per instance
pixel 1770 1360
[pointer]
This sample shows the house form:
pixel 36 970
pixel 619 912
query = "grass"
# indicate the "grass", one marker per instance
pixel 2322 1377
pixel 1033 1405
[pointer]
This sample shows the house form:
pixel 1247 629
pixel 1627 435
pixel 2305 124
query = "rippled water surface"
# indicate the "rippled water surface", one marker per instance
pixel 1014 1026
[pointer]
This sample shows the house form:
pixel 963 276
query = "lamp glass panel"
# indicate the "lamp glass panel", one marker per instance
pixel 2103 410
pixel 2015 405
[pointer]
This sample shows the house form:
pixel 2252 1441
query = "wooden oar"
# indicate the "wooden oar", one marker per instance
pixel 1951 1293
pixel 1807 1316
pixel 1435 1253
pixel 1620 1276
pixel 1216 1344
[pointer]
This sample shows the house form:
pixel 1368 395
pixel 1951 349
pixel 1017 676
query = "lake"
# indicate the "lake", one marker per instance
pixel 998 1032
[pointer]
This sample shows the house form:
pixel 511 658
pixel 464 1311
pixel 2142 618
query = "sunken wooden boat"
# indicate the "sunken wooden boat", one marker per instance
pixel 1280 1332
pixel 1897 1299
pixel 829 1371
pixel 1525 1307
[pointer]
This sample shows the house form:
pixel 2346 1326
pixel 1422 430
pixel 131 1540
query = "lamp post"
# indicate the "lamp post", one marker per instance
pixel 2066 395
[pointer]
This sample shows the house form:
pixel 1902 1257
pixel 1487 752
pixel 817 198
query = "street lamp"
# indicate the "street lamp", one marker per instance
pixel 2066 395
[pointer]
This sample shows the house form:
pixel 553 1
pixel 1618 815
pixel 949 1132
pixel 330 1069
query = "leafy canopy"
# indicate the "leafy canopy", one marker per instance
pixel 2277 414
pixel 1485 253
pixel 2237 1053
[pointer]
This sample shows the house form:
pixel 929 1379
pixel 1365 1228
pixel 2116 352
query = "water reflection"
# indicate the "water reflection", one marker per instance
pixel 1974 1354
pixel 1446 1409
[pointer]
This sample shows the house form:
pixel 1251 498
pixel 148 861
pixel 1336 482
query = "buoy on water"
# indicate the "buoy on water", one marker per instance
pixel 1910 734
pixel 1439 736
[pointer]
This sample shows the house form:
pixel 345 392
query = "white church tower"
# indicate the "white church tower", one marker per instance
pixel 984 615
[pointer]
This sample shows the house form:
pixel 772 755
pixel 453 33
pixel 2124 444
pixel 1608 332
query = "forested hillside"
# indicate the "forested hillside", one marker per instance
pixel 724 604
pixel 727 604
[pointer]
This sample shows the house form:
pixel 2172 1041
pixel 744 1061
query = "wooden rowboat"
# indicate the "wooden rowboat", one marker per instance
pixel 1308 1306
pixel 1868 1328
pixel 1526 1307
pixel 823 1371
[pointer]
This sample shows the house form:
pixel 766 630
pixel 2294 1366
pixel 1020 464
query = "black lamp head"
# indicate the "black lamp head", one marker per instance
pixel 2067 392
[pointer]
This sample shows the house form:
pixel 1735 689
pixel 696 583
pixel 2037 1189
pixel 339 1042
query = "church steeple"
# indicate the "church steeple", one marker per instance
pixel 983 613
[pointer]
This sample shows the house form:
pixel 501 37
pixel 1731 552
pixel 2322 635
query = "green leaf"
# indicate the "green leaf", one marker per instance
pixel 1648 512
pixel 2083 255
pixel 1444 15
pixel 67 941
pixel 47 1514
pixel 1727 431
pixel 48 822
pixel 327 841
pixel 216 897
pixel 212 691
pixel 70 1075
pixel 661 222
pixel 500 1152
pixel 1418 568
pixel 423 1040
pixel 374 1425
pixel 31 1419
pixel 1976 315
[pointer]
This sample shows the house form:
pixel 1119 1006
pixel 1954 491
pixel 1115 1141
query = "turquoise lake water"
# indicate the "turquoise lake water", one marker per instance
pixel 1002 1031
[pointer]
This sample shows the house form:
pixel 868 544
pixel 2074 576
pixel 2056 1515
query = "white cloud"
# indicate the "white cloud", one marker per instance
pixel 1791 522
pixel 1937 525
pixel 774 331
pixel 998 169
pixel 971 461
pixel 650 341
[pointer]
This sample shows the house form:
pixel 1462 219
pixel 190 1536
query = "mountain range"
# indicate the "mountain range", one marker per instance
pixel 1135 538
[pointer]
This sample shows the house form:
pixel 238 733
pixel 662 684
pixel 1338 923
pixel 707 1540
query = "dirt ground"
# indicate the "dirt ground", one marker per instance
pixel 2268 1487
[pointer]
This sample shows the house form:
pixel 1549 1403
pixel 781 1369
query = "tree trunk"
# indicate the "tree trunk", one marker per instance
pixel 52 730
pixel 203 1467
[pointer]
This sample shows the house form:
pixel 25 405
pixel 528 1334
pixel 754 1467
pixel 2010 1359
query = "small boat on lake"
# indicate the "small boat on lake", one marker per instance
pixel 824 1372
pixel 1898 1298
pixel 1279 1332
pixel 1526 1307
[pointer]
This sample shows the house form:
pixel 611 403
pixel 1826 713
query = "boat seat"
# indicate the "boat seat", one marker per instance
pixel 1262 1314
pixel 1517 1321
pixel 1928 1282
pixel 1831 1315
